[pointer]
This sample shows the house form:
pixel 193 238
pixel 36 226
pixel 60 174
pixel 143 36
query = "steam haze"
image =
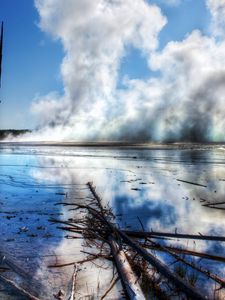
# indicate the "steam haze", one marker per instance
pixel 185 102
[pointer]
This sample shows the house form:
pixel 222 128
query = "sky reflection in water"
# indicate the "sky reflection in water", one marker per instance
pixel 136 183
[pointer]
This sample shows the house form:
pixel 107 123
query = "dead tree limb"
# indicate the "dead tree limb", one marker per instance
pixel 125 271
pixel 161 268
pixel 73 283
pixel 127 275
pixel 155 234
pixel 186 252
pixel 192 265
pixel 18 288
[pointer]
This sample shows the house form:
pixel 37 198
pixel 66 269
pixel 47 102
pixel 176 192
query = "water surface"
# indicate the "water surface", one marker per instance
pixel 172 189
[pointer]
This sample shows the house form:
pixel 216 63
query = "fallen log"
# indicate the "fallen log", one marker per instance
pixel 186 252
pixel 18 288
pixel 13 266
pixel 215 207
pixel 160 267
pixel 129 280
pixel 137 234
pixel 215 203
pixel 99 223
pixel 190 264
pixel 151 234
pixel 155 234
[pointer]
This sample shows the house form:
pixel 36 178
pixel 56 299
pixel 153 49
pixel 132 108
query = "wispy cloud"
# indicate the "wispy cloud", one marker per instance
pixel 169 2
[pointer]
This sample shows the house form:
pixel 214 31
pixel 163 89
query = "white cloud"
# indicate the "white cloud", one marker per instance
pixel 217 9
pixel 94 35
pixel 184 103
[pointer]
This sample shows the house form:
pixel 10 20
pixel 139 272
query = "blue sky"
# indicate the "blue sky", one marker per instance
pixel 31 58
pixel 31 63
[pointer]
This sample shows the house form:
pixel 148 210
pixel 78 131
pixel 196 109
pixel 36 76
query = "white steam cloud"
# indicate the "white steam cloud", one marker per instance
pixel 217 9
pixel 184 103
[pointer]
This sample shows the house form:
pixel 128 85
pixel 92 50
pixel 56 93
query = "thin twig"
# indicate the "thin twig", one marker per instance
pixel 113 282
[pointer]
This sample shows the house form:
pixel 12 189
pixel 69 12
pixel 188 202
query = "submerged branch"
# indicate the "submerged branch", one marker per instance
pixel 18 288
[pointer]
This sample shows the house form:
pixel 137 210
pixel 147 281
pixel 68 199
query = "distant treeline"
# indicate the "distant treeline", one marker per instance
pixel 13 132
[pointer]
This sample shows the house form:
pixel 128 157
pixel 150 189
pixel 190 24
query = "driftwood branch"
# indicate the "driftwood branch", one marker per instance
pixel 190 264
pixel 161 268
pixel 18 288
pixel 98 229
pixel 125 271
pixel 72 296
pixel 186 252
pixel 155 234
pixel 128 277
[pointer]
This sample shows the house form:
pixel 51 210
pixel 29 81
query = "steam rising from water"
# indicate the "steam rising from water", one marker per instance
pixel 184 103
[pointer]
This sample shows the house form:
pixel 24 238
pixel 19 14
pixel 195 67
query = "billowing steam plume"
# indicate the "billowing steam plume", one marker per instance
pixel 184 103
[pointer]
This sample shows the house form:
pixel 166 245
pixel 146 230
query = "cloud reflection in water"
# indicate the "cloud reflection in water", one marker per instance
pixel 139 183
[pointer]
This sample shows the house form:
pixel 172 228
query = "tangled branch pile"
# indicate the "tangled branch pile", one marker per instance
pixel 141 272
